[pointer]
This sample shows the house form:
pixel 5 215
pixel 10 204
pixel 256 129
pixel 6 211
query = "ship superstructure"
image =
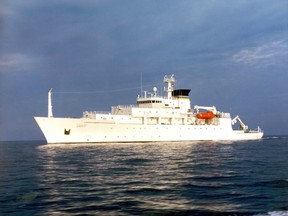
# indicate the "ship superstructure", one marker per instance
pixel 152 118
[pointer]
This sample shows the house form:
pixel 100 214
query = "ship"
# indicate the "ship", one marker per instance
pixel 154 118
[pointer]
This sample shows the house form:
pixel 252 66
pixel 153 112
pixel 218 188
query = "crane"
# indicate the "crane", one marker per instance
pixel 242 125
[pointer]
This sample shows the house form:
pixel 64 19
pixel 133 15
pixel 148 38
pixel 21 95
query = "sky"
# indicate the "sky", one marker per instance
pixel 231 53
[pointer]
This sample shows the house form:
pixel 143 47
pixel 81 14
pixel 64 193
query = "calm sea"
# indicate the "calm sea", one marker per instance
pixel 190 178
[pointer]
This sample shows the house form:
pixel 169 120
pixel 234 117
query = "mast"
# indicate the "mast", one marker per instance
pixel 141 84
pixel 170 80
pixel 50 113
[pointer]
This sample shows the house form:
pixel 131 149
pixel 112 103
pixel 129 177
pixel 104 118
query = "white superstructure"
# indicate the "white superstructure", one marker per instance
pixel 153 118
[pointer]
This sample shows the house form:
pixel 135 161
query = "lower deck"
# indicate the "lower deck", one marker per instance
pixel 68 130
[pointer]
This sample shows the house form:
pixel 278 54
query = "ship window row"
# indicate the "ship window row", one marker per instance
pixel 194 128
pixel 150 101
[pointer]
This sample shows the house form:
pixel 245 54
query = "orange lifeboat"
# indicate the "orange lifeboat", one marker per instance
pixel 205 115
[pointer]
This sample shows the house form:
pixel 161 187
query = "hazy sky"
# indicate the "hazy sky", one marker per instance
pixel 232 54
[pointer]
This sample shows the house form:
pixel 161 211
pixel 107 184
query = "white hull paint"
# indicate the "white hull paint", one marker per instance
pixel 83 131
pixel 153 119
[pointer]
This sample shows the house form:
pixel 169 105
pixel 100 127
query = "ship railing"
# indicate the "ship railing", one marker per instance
pixel 150 95
pixel 224 115
pixel 92 114
pixel 124 106
pixel 256 130
pixel 103 112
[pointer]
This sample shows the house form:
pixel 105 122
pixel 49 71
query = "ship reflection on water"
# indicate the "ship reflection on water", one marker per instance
pixel 139 178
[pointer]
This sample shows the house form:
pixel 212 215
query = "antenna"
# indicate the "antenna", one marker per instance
pixel 170 80
pixel 141 85
pixel 50 113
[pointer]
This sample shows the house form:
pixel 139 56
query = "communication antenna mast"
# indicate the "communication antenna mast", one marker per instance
pixel 141 85
pixel 50 113
pixel 170 80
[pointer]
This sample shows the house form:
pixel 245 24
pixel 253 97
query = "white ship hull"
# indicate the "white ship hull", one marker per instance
pixel 80 130
pixel 152 119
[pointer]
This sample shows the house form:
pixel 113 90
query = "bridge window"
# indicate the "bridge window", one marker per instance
pixel 149 101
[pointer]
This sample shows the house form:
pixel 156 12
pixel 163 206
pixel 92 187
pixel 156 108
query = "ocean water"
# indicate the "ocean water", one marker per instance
pixel 177 178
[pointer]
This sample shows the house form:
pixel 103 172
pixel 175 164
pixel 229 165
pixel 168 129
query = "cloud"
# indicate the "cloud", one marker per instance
pixel 5 11
pixel 15 61
pixel 272 53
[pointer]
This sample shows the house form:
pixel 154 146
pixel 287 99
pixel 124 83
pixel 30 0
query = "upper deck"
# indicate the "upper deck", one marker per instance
pixel 176 103
pixel 177 99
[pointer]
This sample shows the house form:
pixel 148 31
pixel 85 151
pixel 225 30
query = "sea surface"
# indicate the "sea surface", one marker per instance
pixel 177 178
